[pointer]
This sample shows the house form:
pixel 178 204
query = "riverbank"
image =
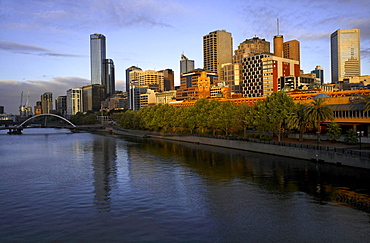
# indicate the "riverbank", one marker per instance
pixel 327 152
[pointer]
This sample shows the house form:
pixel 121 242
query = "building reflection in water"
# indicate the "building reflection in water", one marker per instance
pixel 104 156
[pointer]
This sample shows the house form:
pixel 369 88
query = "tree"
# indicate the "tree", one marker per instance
pixel 297 120
pixel 350 137
pixel 275 112
pixel 223 117
pixel 318 112
pixel 244 117
pixel 334 131
pixel 367 106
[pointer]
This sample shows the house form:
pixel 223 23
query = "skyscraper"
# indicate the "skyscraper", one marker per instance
pixel 129 78
pixel 47 102
pixel 217 50
pixel 291 50
pixel 319 71
pixel 345 54
pixel 110 86
pixel 251 47
pixel 97 56
pixel 186 65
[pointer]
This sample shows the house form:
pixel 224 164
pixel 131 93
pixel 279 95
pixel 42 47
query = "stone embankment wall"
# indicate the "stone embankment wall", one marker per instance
pixel 327 156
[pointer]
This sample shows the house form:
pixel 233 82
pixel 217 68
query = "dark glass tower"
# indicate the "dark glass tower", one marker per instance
pixel 97 57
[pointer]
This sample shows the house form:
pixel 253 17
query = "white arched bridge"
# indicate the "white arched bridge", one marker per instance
pixel 18 129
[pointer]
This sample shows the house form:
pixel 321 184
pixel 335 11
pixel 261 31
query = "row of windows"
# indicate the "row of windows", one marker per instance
pixel 351 114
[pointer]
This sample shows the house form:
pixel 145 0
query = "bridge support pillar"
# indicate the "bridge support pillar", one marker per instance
pixel 15 131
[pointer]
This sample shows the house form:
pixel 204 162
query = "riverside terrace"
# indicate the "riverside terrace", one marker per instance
pixel 334 153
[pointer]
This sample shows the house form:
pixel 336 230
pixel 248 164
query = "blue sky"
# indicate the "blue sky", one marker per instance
pixel 44 44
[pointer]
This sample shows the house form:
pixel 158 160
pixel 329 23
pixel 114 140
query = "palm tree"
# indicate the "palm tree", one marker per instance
pixel 318 112
pixel 367 106
pixel 297 120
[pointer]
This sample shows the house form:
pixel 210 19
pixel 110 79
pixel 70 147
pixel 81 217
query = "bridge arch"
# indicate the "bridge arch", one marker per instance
pixel 60 117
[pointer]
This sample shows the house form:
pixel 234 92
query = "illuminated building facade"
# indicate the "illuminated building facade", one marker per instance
pixel 345 54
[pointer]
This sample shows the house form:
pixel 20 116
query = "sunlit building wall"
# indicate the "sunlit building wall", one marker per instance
pixel 345 54
pixel 217 50
pixel 47 102
pixel 291 50
pixel 74 101
pixel 251 47
pixel 186 65
pixel 231 74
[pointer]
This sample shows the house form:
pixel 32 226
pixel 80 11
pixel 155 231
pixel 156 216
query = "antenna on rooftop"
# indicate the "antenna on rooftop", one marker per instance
pixel 278 31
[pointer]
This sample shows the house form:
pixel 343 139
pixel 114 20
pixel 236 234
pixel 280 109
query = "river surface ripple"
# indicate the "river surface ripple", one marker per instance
pixel 62 186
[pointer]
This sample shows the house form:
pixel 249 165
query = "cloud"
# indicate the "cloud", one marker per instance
pixel 65 14
pixel 29 49
pixel 11 90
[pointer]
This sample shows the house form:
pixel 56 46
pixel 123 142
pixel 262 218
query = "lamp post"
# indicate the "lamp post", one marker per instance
pixel 360 134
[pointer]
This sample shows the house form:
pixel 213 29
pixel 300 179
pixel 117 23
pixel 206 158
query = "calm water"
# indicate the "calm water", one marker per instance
pixel 59 186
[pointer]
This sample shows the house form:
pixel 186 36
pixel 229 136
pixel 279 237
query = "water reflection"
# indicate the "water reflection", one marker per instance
pixel 326 183
pixel 104 156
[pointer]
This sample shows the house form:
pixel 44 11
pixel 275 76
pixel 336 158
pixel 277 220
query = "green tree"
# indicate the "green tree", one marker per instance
pixel 244 117
pixel 297 120
pixel 275 112
pixel 367 105
pixel 334 131
pixel 318 112
pixel 350 137
pixel 223 117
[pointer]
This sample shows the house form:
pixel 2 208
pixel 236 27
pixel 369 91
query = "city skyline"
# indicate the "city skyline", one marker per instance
pixel 45 44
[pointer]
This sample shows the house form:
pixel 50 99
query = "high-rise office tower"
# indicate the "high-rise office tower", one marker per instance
pixel 291 50
pixel 110 86
pixel 345 54
pixel 186 64
pixel 278 45
pixel 319 71
pixel 74 101
pixel 97 56
pixel 47 102
pixel 217 50
pixel 129 78
pixel 251 47
pixel 168 79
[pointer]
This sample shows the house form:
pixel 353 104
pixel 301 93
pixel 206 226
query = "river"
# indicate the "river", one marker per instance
pixel 71 187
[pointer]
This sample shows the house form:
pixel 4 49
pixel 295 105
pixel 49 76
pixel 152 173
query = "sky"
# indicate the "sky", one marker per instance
pixel 45 44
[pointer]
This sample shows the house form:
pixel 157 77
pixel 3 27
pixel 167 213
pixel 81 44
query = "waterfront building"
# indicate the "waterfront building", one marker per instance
pixel 217 50
pixel 319 71
pixel 97 56
pixel 251 47
pixel 196 84
pixel 345 54
pixel 110 81
pixel 74 101
pixel 47 102
pixel 186 65
pixel 92 96
pixel 61 105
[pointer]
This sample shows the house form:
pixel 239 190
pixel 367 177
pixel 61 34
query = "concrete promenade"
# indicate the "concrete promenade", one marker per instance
pixel 320 154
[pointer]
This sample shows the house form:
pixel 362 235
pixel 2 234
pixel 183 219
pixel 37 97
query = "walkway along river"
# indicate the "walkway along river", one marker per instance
pixel 332 155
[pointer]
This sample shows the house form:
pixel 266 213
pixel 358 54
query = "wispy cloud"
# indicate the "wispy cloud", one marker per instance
pixel 67 14
pixel 30 49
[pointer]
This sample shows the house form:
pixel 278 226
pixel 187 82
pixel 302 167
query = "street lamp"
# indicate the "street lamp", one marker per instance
pixel 360 134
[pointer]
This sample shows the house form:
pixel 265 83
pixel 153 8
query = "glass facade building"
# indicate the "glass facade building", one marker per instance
pixel 345 54
pixel 97 57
